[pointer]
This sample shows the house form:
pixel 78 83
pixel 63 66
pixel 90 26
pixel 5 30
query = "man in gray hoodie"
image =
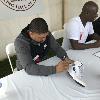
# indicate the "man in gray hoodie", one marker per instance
pixel 32 46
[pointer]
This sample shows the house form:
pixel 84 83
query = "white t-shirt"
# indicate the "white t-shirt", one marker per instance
pixel 76 30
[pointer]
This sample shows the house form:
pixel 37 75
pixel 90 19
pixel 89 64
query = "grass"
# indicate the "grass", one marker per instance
pixel 5 67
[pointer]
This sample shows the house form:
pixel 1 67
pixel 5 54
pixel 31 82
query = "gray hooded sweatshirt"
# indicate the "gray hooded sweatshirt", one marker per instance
pixel 27 49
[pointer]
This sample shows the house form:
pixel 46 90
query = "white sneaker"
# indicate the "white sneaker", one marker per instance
pixel 76 71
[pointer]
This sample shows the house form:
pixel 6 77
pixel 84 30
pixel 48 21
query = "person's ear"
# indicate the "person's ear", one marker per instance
pixel 30 33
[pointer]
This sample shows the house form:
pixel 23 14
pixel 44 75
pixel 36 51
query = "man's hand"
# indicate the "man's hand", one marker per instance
pixel 69 61
pixel 63 65
pixel 97 43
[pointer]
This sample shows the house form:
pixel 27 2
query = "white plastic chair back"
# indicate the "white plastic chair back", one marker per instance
pixel 66 43
pixel 10 51
pixel 58 34
pixel 62 33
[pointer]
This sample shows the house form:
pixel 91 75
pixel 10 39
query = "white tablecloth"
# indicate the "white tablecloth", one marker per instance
pixel 21 86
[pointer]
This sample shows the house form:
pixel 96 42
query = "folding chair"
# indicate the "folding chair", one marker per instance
pixel 10 51
pixel 66 43
pixel 62 33
pixel 58 34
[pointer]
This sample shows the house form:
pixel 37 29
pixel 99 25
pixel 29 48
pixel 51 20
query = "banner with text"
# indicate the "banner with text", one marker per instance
pixel 16 8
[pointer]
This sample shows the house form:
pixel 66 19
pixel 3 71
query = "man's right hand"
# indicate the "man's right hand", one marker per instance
pixel 61 66
pixel 97 43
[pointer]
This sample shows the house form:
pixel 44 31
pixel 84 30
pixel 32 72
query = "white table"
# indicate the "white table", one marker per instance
pixel 21 86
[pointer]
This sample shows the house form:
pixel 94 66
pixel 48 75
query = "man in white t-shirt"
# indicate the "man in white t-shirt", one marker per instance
pixel 78 28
